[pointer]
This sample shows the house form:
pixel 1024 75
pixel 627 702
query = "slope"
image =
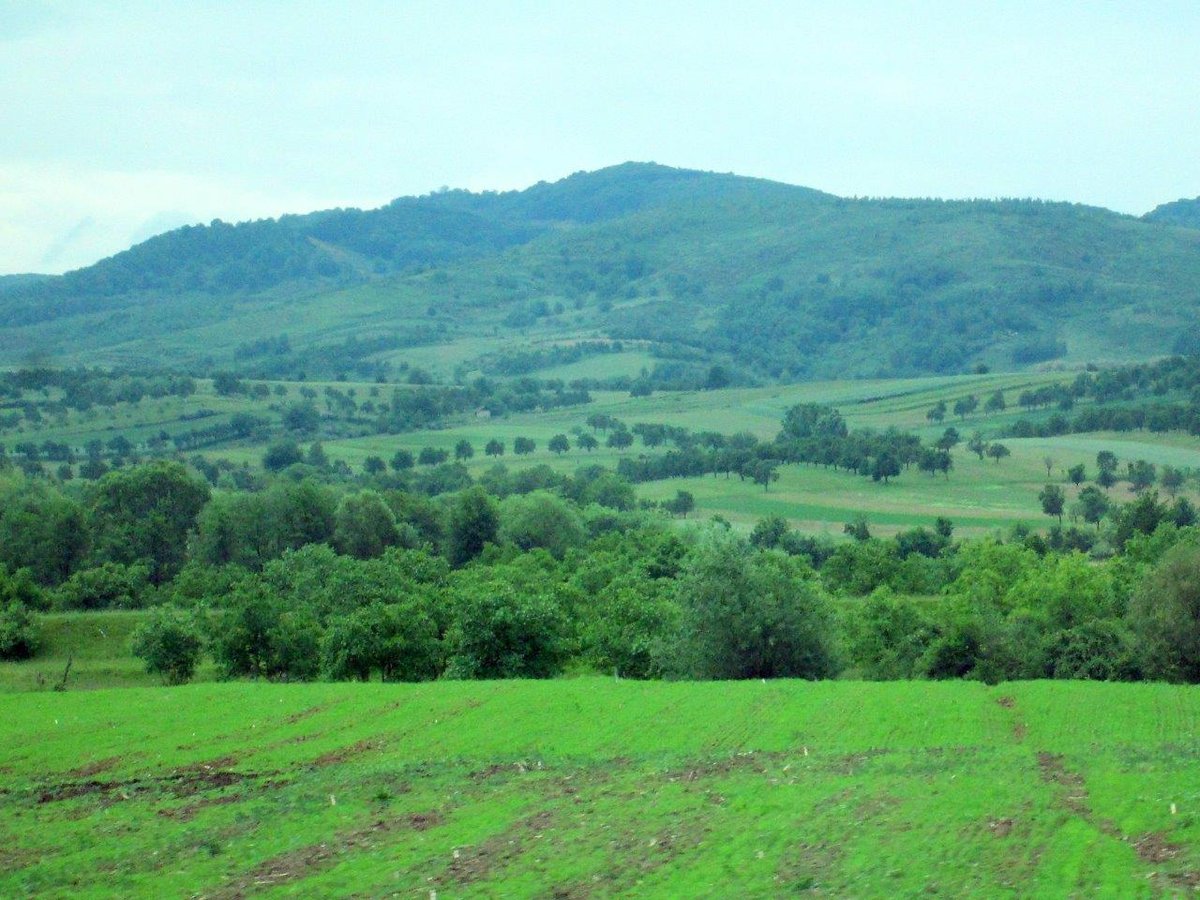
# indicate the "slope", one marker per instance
pixel 773 281
pixel 593 787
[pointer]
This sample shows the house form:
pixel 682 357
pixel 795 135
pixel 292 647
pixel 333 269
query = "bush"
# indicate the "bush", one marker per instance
pixel 1165 615
pixel 500 633
pixel 170 644
pixel 18 632
pixel 399 641
pixel 110 586
pixel 1096 651
pixel 748 614
pixel 541 520
pixel 887 635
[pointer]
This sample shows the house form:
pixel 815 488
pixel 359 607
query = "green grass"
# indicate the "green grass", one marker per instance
pixel 979 496
pixel 96 644
pixel 592 788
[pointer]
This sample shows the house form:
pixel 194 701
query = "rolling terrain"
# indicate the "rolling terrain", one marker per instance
pixel 776 282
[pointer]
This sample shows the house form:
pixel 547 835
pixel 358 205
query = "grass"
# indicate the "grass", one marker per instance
pixel 978 496
pixel 96 644
pixel 593 787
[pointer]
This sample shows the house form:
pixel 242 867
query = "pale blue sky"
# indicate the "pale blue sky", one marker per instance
pixel 117 123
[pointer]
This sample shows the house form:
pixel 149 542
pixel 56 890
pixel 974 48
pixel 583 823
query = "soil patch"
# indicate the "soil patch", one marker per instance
pixel 299 864
pixel 335 757
pixel 94 768
pixel 471 864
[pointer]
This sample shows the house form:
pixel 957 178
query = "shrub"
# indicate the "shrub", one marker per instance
pixel 170 644
pixel 748 614
pixel 18 632
pixel 110 586
pixel 1165 615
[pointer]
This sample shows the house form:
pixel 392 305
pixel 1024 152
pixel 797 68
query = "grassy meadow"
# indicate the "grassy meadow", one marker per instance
pixel 591 787
pixel 979 495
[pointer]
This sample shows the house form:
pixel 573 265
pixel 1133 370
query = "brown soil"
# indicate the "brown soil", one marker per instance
pixel 299 864
pixel 93 768
pixel 335 757
pixel 472 864
pixel 1155 848
pixel 1001 828
pixel 1006 701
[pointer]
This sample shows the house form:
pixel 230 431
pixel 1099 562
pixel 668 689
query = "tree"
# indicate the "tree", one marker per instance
pixel 523 446
pixel 432 456
pixel 170 645
pixel 281 454
pixel 764 471
pixel 397 640
pixel 145 513
pixel 885 466
pixel 1165 615
pixel 316 456
pixel 977 445
pixel 1171 479
pixel 998 452
pixel 1077 474
pixel 587 442
pixel 1093 504
pixel 540 519
pixel 769 532
pixel 681 504
pixel 1053 500
pixel 559 444
pixel 374 465
pixel 964 406
pixel 463 450
pixel 1141 475
pixel 403 459
pixel 494 447
pixel 1048 462
pixel 498 632
pixel 995 403
pixel 937 413
pixel 858 529
pixel 749 614
pixel 1106 461
pixel 364 526
pixel 474 522
pixel 949 440
pixel 619 440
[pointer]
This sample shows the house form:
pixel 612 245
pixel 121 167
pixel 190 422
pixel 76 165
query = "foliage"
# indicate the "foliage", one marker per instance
pixel 748 614
pixel 170 644
pixel 1165 615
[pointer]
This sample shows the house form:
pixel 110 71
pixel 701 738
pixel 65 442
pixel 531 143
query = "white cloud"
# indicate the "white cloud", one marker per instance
pixel 54 217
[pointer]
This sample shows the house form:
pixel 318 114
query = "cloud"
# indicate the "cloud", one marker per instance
pixel 112 209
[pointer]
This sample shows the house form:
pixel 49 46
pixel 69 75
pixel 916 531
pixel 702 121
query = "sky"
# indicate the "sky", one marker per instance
pixel 119 121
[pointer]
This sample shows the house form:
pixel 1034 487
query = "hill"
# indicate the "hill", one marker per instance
pixel 1178 212
pixel 599 788
pixel 770 281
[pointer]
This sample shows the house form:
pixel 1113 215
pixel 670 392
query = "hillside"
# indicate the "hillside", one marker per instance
pixel 772 281
pixel 1179 212
pixel 598 788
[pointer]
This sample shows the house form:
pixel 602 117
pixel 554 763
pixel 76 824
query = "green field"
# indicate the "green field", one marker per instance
pixel 596 788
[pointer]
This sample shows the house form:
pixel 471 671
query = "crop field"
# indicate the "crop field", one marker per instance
pixel 593 787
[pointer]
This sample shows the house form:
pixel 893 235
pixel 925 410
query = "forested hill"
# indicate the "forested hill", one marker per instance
pixel 1178 212
pixel 770 280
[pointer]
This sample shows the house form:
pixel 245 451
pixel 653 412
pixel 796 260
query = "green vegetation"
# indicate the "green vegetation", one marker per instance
pixel 653 789
pixel 706 280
